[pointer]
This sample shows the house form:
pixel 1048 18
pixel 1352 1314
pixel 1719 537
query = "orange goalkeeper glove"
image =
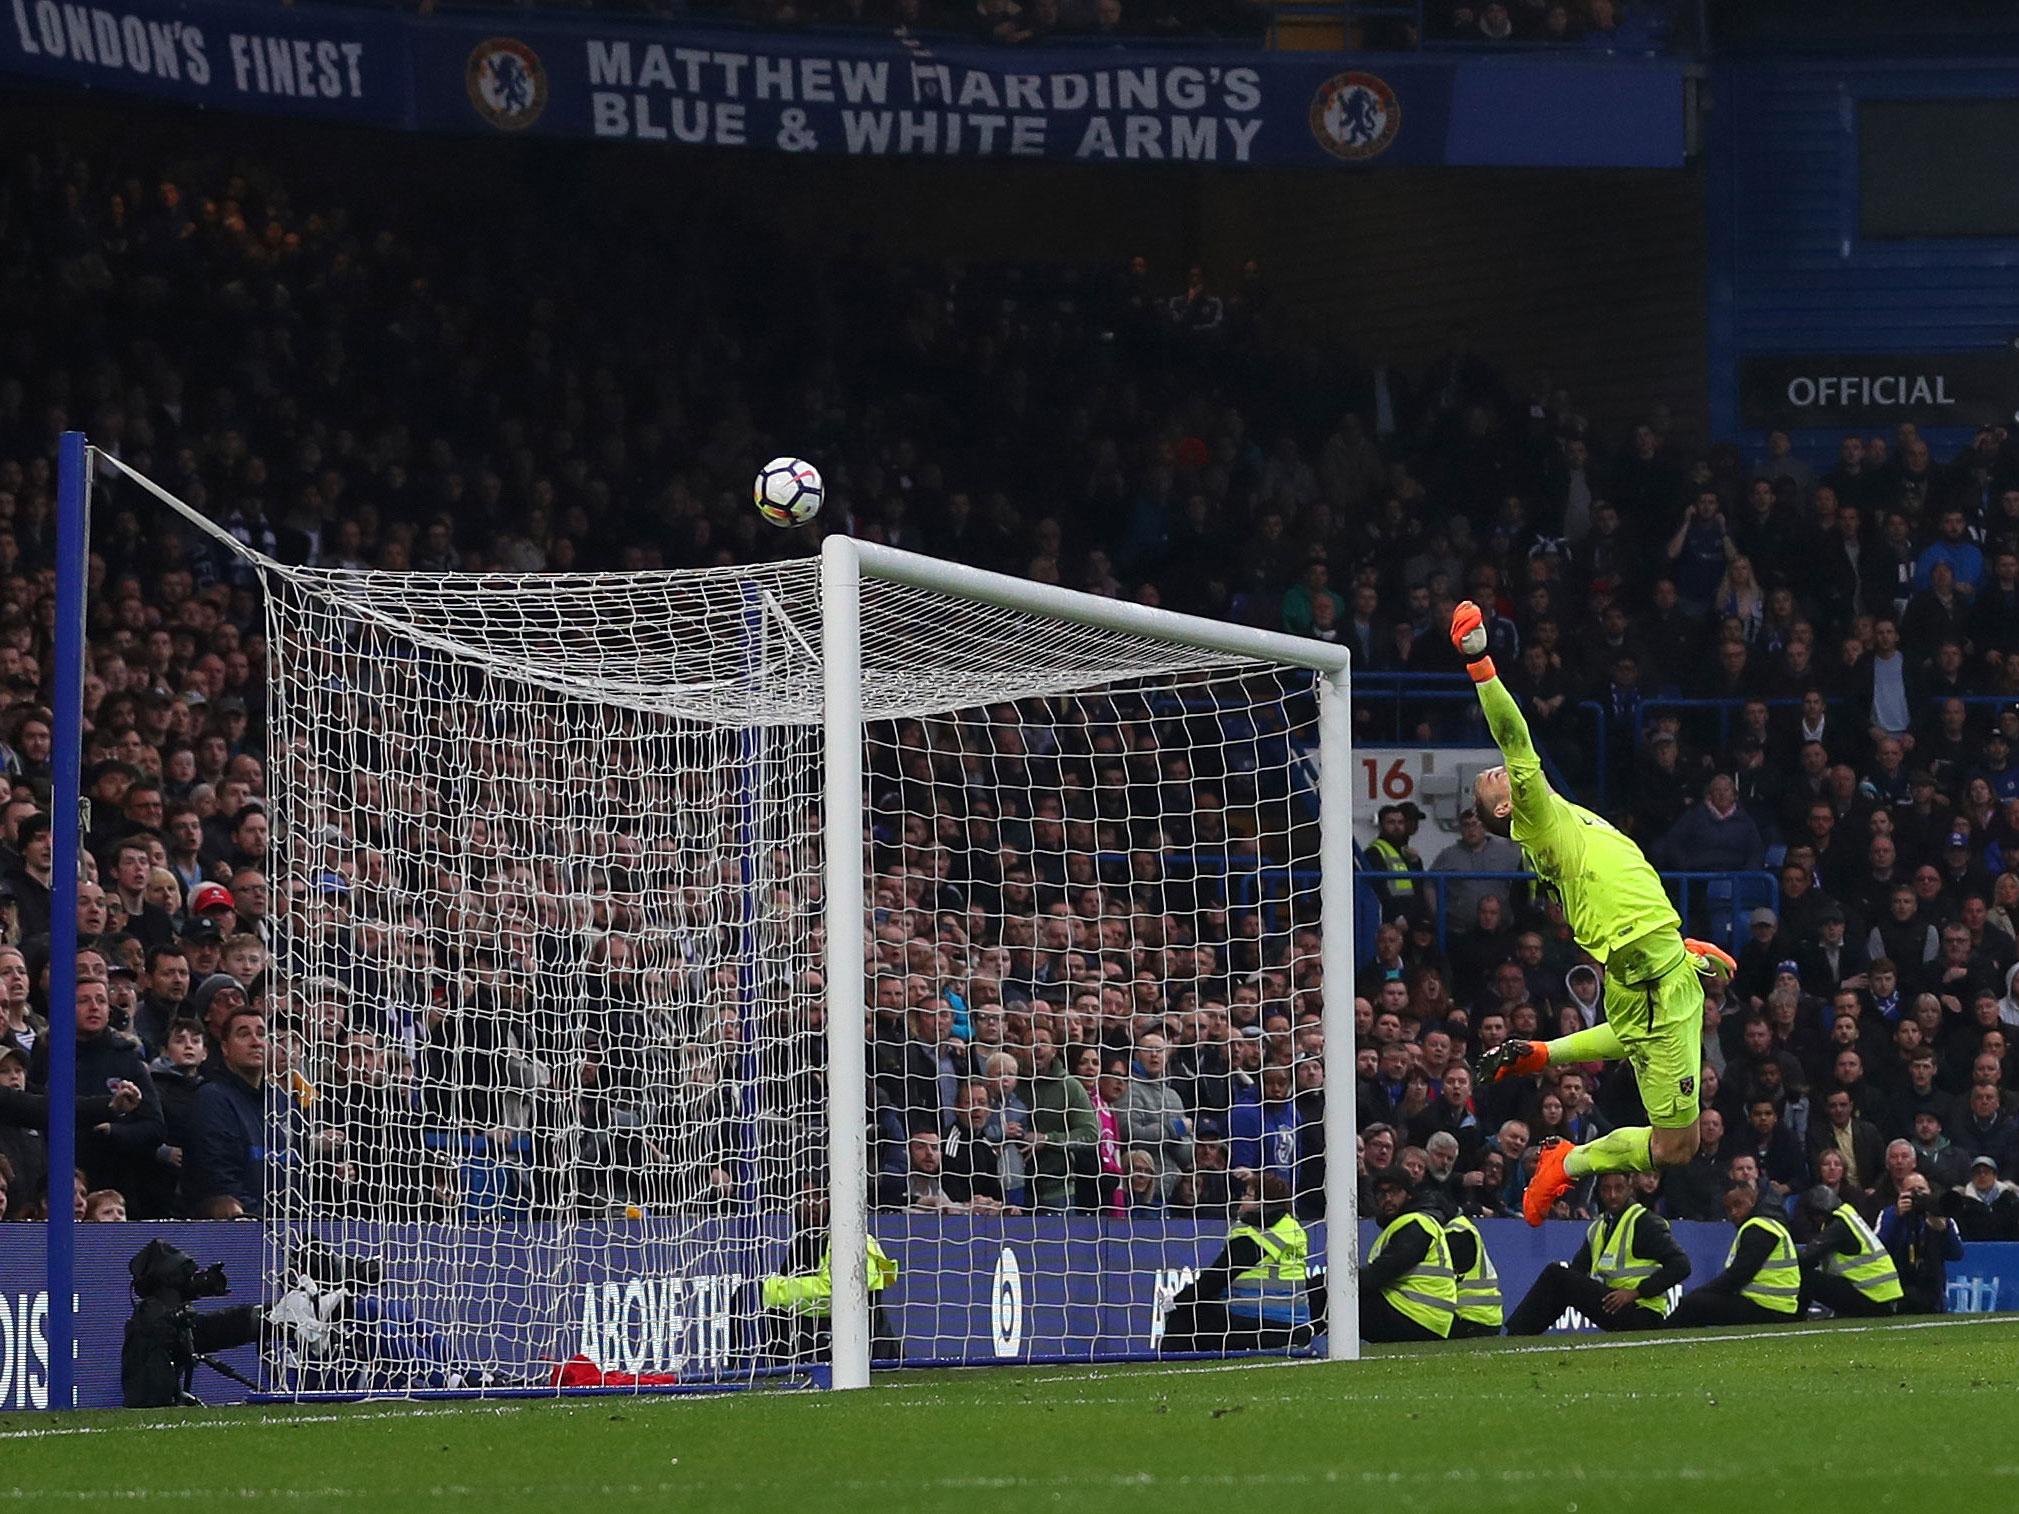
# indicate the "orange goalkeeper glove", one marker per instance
pixel 1468 634
pixel 1711 960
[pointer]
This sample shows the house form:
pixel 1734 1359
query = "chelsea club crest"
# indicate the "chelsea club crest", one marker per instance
pixel 507 82
pixel 1355 116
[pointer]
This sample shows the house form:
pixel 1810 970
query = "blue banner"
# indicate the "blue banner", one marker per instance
pixel 655 1298
pixel 325 63
pixel 854 94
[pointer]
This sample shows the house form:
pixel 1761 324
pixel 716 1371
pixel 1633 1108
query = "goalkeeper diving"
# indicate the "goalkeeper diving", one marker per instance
pixel 1621 915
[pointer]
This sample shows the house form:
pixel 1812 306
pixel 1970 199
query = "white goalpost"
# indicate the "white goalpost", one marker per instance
pixel 1124 633
pixel 696 978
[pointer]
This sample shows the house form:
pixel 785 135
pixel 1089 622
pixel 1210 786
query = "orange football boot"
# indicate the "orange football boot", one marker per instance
pixel 1550 1182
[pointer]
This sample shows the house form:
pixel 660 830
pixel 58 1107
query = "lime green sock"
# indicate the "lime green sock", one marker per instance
pixel 1624 1150
pixel 1598 1044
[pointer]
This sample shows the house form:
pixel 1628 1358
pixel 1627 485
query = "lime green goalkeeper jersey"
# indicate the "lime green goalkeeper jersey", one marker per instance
pixel 1611 893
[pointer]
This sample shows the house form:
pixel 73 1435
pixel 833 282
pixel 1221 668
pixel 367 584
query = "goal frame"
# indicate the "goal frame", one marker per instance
pixel 845 564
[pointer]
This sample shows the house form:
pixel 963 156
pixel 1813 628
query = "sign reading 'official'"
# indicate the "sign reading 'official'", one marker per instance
pixel 1880 389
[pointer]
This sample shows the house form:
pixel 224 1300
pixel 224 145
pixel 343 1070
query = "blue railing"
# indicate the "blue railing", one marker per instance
pixel 1726 708
pixel 1399 690
pixel 1712 905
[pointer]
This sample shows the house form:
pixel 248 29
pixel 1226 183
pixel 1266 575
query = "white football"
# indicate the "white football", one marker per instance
pixel 788 491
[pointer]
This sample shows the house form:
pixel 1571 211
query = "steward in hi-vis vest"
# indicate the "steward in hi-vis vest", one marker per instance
pixel 1762 1280
pixel 798 1302
pixel 1620 1277
pixel 1408 1288
pixel 1390 852
pixel 1846 1266
pixel 1478 1283
pixel 1258 1293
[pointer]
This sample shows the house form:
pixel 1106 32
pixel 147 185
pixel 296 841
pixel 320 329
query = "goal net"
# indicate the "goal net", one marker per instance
pixel 642 940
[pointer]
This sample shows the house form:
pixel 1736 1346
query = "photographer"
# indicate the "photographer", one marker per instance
pixel 165 1337
pixel 1923 1240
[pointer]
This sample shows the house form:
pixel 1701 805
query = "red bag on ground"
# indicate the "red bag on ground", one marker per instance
pixel 579 1372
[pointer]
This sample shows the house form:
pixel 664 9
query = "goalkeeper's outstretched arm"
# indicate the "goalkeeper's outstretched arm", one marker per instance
pixel 1520 785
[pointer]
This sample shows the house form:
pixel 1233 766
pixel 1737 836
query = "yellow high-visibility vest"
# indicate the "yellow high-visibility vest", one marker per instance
pixel 1613 1262
pixel 1871 1270
pixel 1395 860
pixel 1275 1287
pixel 1778 1283
pixel 1479 1284
pixel 812 1293
pixel 1428 1292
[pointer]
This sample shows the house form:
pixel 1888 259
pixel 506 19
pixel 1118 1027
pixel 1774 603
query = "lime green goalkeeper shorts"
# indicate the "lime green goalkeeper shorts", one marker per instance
pixel 1654 1002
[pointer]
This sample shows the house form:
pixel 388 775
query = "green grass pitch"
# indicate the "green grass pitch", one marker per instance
pixel 1923 1415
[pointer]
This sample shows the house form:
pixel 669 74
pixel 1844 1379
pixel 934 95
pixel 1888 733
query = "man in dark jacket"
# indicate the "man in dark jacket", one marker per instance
pixel 1922 1095
pixel 1694 1190
pixel 165 997
pixel 114 1151
pixel 1779 1154
pixel 29 881
pixel 1767 946
pixel 224 1168
pixel 1990 1208
pixel 1716 835
pixel 971 1161
pixel 131 864
pixel 24 1123
pixel 1857 1140
pixel 1984 1129
pixel 916 1069
pixel 217 998
pixel 1452 1113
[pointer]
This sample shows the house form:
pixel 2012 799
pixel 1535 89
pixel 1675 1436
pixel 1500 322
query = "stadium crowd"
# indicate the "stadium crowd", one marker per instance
pixel 330 384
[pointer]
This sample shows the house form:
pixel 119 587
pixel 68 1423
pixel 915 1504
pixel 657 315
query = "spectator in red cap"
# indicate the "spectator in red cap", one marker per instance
pixel 212 901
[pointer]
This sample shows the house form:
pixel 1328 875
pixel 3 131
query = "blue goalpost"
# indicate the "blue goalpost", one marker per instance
pixel 73 547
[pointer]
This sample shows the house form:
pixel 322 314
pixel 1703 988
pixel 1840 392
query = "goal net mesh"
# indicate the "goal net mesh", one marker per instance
pixel 547 1000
